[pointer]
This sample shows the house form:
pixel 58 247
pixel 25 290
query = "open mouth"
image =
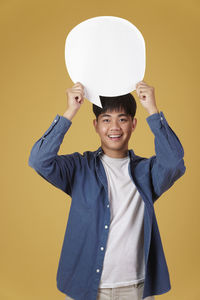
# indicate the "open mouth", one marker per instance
pixel 115 137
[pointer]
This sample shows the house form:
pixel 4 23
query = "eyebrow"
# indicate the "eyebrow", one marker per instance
pixel 107 115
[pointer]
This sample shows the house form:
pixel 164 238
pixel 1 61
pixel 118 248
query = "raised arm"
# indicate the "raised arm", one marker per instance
pixel 58 169
pixel 168 164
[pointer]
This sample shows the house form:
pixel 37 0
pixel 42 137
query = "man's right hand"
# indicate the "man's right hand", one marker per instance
pixel 75 97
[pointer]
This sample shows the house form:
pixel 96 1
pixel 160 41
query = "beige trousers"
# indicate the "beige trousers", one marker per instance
pixel 131 292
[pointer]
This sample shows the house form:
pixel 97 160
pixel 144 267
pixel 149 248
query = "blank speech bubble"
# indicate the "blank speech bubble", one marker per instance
pixel 107 55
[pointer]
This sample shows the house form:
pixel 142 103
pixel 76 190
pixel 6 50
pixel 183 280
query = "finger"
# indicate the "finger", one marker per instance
pixel 144 90
pixel 143 96
pixel 142 84
pixel 80 92
pixel 78 96
pixel 78 84
pixel 75 90
pixel 78 87
pixel 141 81
pixel 137 91
pixel 81 101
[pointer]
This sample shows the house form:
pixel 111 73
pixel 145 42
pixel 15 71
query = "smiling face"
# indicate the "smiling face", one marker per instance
pixel 115 129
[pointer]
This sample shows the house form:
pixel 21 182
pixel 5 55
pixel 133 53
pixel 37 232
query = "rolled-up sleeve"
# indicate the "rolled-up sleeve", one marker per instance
pixel 56 169
pixel 168 163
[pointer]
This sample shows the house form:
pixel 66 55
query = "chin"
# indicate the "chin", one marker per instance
pixel 116 148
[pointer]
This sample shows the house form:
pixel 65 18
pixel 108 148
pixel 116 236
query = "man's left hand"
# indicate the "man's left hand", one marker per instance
pixel 146 95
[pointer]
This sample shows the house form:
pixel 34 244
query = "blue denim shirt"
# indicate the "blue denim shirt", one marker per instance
pixel 82 176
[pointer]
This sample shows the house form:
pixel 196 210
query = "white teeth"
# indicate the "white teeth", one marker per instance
pixel 113 136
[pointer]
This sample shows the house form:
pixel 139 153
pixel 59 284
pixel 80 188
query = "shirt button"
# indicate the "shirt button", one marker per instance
pixel 106 226
pixel 102 248
pixel 108 205
pixel 97 270
pixel 161 118
pixel 55 120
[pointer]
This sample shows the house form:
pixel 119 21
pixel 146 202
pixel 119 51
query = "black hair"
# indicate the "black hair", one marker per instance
pixel 116 103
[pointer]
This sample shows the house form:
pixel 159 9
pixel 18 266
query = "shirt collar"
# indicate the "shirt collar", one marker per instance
pixel 99 151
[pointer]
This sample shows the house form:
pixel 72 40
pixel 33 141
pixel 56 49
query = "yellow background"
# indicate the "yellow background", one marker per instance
pixel 33 84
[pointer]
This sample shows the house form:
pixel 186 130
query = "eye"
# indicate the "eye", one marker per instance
pixel 123 120
pixel 105 120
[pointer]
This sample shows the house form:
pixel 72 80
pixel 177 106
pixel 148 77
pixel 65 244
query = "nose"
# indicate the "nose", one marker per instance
pixel 114 125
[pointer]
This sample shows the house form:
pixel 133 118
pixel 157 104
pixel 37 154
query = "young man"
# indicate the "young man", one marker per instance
pixel 112 246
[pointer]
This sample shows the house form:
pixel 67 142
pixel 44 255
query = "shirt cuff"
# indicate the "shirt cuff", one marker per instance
pixel 59 124
pixel 156 120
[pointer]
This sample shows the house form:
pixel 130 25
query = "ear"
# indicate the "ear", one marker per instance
pixel 134 124
pixel 95 124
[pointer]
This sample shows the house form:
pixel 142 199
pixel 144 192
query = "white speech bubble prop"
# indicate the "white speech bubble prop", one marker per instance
pixel 107 55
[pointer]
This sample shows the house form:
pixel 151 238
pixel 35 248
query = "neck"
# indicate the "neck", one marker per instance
pixel 115 153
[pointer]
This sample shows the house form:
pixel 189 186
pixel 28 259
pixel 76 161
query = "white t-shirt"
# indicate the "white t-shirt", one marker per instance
pixel 124 256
